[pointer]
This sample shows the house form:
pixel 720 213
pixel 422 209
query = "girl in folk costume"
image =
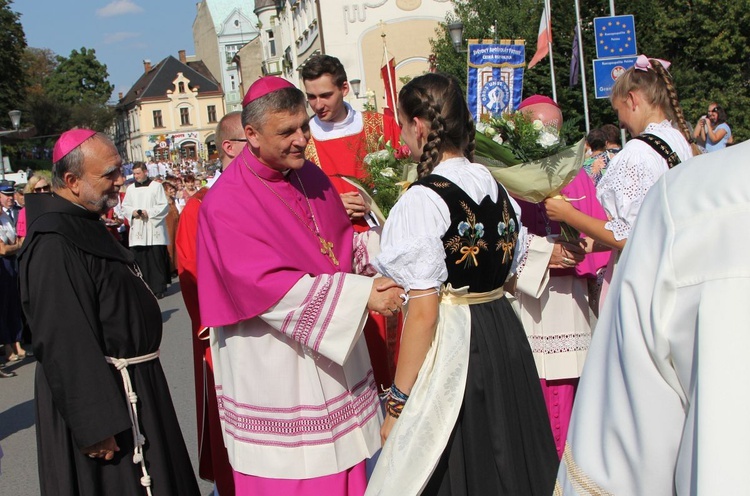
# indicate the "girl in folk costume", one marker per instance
pixel 465 412
pixel 645 100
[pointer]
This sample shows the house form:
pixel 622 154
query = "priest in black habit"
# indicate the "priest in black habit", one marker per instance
pixel 105 422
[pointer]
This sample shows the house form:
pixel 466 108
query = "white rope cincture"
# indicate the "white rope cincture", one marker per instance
pixel 139 439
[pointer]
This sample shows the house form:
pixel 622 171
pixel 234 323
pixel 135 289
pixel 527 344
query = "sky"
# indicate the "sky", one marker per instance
pixel 123 32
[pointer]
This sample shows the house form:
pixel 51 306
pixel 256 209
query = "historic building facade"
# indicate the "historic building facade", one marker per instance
pixel 170 113
pixel 220 30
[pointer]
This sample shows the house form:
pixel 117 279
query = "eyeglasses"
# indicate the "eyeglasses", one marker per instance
pixel 42 189
pixel 241 140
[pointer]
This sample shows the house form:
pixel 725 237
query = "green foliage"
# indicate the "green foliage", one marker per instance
pixel 12 76
pixel 79 79
pixel 707 41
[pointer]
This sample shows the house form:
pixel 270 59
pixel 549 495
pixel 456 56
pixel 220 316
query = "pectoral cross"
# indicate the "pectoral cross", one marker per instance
pixel 326 248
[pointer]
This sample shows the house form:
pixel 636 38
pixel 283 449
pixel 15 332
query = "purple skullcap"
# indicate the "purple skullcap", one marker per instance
pixel 534 99
pixel 264 86
pixel 68 141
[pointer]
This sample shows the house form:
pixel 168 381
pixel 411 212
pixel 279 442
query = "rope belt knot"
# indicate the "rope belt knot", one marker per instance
pixel 139 439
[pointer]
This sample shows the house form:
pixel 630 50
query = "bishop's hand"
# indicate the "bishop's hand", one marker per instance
pixel 385 297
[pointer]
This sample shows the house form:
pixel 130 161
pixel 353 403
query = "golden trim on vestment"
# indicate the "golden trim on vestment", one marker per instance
pixel 582 483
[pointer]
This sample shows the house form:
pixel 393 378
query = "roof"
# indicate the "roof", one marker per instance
pixel 156 82
pixel 221 9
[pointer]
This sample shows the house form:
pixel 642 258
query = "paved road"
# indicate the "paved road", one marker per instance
pixel 17 434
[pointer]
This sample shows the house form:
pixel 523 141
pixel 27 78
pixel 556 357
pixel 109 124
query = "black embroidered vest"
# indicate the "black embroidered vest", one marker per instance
pixel 481 240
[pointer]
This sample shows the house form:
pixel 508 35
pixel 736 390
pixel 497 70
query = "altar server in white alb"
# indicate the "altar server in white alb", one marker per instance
pixel 146 208
pixel 662 407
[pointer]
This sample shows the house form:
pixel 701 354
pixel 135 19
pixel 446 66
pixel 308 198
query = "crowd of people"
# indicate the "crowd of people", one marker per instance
pixel 450 351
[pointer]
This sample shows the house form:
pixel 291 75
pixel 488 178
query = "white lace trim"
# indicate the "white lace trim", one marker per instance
pixel 526 243
pixel 416 263
pixel 559 343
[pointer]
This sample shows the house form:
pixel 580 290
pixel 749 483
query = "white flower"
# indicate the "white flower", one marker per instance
pixel 387 172
pixel 378 155
pixel 547 139
pixel 498 139
pixel 490 132
pixel 511 125
pixel 481 127
pixel 538 125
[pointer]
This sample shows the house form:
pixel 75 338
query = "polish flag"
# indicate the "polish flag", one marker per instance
pixel 544 39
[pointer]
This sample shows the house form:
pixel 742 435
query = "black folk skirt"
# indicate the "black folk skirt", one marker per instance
pixel 502 442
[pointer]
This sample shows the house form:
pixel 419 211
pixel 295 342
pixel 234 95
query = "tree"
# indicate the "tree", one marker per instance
pixel 38 65
pixel 710 53
pixel 13 43
pixel 80 78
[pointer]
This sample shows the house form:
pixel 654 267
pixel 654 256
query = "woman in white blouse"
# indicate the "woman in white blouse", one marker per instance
pixel 645 100
pixel 465 414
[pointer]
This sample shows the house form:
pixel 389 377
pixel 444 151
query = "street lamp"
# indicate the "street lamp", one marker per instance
pixel 456 30
pixel 15 119
pixel 356 86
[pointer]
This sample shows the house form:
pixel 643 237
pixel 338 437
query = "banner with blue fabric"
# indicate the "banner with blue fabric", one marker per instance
pixel 495 82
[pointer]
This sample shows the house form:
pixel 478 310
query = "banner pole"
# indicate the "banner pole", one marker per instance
pixel 549 47
pixel 581 67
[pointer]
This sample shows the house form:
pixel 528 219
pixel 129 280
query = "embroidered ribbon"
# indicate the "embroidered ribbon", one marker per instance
pixel 139 439
pixel 643 63
pixel 473 251
pixel 452 296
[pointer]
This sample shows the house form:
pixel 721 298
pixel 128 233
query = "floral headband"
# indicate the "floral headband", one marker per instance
pixel 643 63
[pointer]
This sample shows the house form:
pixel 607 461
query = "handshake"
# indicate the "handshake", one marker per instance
pixel 385 297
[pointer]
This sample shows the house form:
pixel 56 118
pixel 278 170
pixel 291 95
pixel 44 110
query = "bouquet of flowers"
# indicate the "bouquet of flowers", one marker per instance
pixel 385 178
pixel 527 140
pixel 529 158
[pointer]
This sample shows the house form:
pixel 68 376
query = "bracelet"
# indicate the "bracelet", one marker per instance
pixel 395 399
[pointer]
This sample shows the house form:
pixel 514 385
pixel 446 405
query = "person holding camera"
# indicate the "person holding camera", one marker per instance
pixel 146 207
pixel 712 129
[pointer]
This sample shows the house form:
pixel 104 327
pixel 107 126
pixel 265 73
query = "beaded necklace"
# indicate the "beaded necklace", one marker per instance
pixel 326 247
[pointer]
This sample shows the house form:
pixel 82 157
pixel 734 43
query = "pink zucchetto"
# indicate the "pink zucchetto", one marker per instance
pixel 264 86
pixel 534 99
pixel 68 141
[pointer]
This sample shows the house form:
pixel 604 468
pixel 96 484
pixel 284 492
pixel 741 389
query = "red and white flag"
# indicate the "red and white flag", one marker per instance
pixel 388 73
pixel 544 39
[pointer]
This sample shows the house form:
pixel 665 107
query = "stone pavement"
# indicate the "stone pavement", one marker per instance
pixel 17 434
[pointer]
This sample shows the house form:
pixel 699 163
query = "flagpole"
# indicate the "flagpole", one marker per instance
pixel 548 19
pixel 391 87
pixel 581 66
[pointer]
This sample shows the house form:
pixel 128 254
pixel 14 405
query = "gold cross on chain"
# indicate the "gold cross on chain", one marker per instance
pixel 326 248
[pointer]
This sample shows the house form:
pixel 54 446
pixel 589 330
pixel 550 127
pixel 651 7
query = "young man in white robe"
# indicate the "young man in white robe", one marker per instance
pixel 146 207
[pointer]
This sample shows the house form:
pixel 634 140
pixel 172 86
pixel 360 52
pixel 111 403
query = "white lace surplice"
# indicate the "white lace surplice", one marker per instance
pixel 413 255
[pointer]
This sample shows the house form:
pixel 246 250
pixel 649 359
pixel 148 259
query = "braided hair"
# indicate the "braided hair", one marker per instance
pixel 658 88
pixel 438 100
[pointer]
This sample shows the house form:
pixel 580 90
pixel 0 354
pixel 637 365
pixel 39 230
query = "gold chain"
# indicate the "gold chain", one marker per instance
pixel 326 247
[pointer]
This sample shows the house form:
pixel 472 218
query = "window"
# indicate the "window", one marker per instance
pixel 211 113
pixel 185 116
pixel 271 43
pixel 157 119
pixel 181 87
pixel 234 85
